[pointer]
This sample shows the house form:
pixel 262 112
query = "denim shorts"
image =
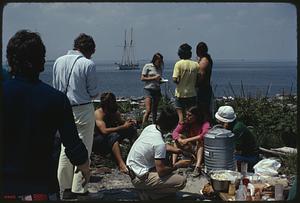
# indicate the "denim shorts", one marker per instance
pixel 153 94
pixel 185 103
pixel 102 144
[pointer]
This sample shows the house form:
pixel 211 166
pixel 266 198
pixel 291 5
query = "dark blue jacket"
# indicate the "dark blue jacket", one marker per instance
pixel 32 114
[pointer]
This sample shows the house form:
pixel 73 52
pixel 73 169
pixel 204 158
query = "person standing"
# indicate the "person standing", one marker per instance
pixel 75 75
pixel 151 75
pixel 34 112
pixel 185 77
pixel 147 158
pixel 204 89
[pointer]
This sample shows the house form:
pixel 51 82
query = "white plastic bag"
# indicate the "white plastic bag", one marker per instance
pixel 267 167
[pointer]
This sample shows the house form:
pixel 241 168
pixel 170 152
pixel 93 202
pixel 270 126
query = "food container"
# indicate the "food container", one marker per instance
pixel 220 179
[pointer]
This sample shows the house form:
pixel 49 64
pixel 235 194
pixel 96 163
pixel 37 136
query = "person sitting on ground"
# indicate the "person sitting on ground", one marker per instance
pixel 189 136
pixel 185 76
pixel 246 147
pixel 146 160
pixel 111 129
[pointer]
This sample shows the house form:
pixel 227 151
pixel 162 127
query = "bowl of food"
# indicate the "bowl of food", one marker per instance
pixel 220 179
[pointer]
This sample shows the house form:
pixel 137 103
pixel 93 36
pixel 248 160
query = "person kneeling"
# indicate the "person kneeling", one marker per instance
pixel 111 129
pixel 147 160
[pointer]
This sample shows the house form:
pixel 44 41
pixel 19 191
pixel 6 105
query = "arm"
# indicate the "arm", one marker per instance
pixel 99 116
pixel 176 75
pixel 162 169
pixel 145 74
pixel 237 140
pixel 173 149
pixel 92 81
pixel 178 130
pixel 149 78
pixel 202 131
pixel 203 65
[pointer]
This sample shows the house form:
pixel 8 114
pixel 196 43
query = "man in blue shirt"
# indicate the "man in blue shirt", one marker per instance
pixel 33 112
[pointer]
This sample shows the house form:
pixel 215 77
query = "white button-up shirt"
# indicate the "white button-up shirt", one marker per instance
pixel 83 83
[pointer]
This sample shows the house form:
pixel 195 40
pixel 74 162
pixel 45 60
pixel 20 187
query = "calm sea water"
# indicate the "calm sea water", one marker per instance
pixel 256 77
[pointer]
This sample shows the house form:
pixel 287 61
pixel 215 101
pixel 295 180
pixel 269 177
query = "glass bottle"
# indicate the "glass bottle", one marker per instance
pixel 231 188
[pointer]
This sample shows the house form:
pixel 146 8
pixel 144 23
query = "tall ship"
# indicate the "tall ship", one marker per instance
pixel 128 60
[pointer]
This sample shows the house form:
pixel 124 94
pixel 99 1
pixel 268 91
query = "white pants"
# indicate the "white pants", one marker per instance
pixel 85 123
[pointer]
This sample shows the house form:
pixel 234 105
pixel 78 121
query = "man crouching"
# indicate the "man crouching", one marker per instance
pixel 147 160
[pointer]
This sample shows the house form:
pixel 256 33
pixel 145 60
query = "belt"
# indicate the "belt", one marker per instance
pixel 143 177
pixel 81 104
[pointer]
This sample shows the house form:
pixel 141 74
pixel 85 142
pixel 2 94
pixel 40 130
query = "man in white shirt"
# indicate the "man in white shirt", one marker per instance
pixel 147 160
pixel 75 75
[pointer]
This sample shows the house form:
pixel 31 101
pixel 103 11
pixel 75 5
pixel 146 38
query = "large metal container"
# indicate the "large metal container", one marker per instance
pixel 219 149
pixel 221 184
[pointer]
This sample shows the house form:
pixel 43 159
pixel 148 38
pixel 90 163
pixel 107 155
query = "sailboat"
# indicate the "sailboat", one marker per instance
pixel 128 60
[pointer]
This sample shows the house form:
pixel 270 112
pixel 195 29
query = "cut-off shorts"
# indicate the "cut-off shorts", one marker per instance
pixel 185 103
pixel 153 94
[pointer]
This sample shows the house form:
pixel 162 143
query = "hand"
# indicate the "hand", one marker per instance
pixel 179 151
pixel 132 121
pixel 182 141
pixel 127 124
pixel 157 78
pixel 85 171
pixel 182 164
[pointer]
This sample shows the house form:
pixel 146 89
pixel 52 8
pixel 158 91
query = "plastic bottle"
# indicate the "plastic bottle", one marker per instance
pixel 249 197
pixel 241 193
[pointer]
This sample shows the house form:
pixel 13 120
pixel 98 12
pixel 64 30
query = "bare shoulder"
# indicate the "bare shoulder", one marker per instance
pixel 99 113
pixel 203 63
pixel 204 60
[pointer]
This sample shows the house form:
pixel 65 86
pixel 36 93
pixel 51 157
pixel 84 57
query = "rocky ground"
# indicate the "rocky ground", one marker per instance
pixel 108 184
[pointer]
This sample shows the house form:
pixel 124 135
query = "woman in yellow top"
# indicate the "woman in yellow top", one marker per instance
pixel 185 77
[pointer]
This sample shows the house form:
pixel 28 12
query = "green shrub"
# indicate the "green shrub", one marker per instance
pixel 124 107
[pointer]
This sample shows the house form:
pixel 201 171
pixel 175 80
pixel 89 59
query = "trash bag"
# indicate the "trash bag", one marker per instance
pixel 267 167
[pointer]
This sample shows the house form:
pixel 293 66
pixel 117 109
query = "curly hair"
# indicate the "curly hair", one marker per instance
pixel 84 43
pixel 25 53
pixel 184 51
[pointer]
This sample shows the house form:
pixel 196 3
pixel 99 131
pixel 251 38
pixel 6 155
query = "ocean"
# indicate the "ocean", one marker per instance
pixel 256 77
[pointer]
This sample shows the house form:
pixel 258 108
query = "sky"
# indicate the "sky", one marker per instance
pixel 254 31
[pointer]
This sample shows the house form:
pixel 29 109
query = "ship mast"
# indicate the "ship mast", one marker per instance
pixel 124 51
